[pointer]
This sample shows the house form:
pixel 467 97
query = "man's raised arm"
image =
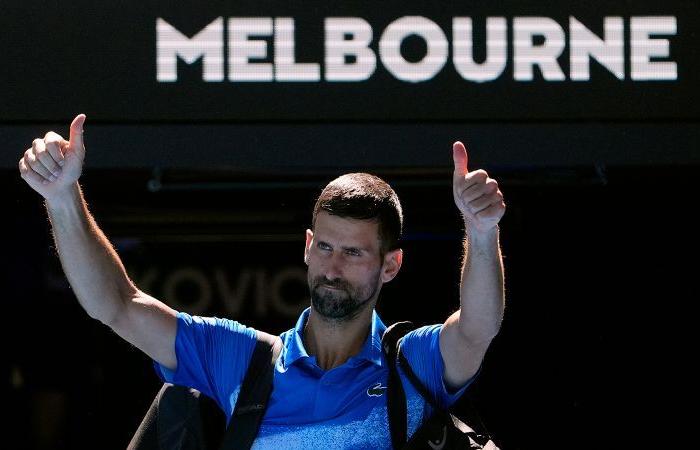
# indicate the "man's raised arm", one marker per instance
pixel 52 167
pixel 466 334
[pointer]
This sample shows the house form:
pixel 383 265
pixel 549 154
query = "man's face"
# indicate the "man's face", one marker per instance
pixel 345 269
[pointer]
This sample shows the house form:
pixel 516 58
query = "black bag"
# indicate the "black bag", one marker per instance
pixel 442 430
pixel 182 418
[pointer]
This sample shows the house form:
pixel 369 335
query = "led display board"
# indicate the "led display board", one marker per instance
pixel 242 61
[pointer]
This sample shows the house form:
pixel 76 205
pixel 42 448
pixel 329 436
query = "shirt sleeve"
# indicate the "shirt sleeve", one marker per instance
pixel 212 356
pixel 422 350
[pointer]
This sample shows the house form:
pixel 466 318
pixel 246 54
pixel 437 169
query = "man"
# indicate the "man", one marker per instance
pixel 330 378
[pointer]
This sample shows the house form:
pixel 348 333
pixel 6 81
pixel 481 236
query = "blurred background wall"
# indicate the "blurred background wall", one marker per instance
pixel 212 126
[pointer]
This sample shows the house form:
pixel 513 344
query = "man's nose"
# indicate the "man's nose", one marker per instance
pixel 334 268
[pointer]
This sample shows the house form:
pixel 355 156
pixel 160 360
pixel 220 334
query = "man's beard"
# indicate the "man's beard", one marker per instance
pixel 343 304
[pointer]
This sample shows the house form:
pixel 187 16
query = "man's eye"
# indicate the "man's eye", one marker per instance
pixel 323 246
pixel 353 252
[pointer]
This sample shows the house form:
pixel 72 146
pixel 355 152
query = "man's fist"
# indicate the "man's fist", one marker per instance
pixel 476 195
pixel 53 164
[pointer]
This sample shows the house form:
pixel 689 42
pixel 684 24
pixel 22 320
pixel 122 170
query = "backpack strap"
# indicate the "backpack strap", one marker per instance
pixel 396 397
pixel 396 406
pixel 254 394
pixel 413 378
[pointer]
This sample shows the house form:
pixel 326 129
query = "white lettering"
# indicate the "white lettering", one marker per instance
pixel 643 48
pixel 609 51
pixel 338 48
pixel 286 69
pixel 208 44
pixel 496 49
pixel 390 49
pixel 349 56
pixel 241 49
pixel 527 55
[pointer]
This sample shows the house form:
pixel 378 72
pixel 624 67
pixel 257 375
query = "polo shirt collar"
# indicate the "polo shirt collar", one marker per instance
pixel 371 349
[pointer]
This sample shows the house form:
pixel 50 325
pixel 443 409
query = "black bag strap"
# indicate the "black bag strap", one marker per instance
pixel 396 406
pixel 396 397
pixel 422 390
pixel 473 417
pixel 254 394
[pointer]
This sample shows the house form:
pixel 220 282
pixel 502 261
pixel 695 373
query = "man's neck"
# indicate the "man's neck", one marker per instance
pixel 333 343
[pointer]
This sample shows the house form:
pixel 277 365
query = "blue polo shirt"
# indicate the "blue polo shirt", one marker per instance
pixel 341 408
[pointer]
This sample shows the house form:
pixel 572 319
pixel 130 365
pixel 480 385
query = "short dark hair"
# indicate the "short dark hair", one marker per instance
pixel 366 197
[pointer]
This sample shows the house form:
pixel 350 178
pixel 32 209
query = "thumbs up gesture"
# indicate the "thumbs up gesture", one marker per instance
pixel 476 195
pixel 52 164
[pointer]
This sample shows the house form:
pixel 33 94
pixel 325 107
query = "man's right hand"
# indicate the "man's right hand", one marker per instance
pixel 93 268
pixel 52 165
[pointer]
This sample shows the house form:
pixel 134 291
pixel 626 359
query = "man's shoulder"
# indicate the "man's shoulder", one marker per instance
pixel 423 332
pixel 421 345
pixel 214 327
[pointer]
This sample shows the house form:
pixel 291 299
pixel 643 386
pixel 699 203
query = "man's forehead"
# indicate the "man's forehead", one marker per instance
pixel 347 231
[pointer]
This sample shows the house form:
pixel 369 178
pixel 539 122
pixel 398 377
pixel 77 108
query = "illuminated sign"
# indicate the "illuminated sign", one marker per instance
pixel 253 61
pixel 348 56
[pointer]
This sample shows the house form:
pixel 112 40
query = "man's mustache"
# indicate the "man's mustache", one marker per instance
pixel 337 284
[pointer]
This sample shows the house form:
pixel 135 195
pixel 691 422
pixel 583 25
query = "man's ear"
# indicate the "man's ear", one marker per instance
pixel 309 239
pixel 391 264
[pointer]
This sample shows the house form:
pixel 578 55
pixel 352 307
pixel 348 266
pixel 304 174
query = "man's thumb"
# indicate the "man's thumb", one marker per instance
pixel 461 160
pixel 76 131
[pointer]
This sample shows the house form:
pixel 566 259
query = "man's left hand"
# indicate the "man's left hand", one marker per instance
pixel 476 195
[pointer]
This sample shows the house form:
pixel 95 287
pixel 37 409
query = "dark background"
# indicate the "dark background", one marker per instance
pixel 206 191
